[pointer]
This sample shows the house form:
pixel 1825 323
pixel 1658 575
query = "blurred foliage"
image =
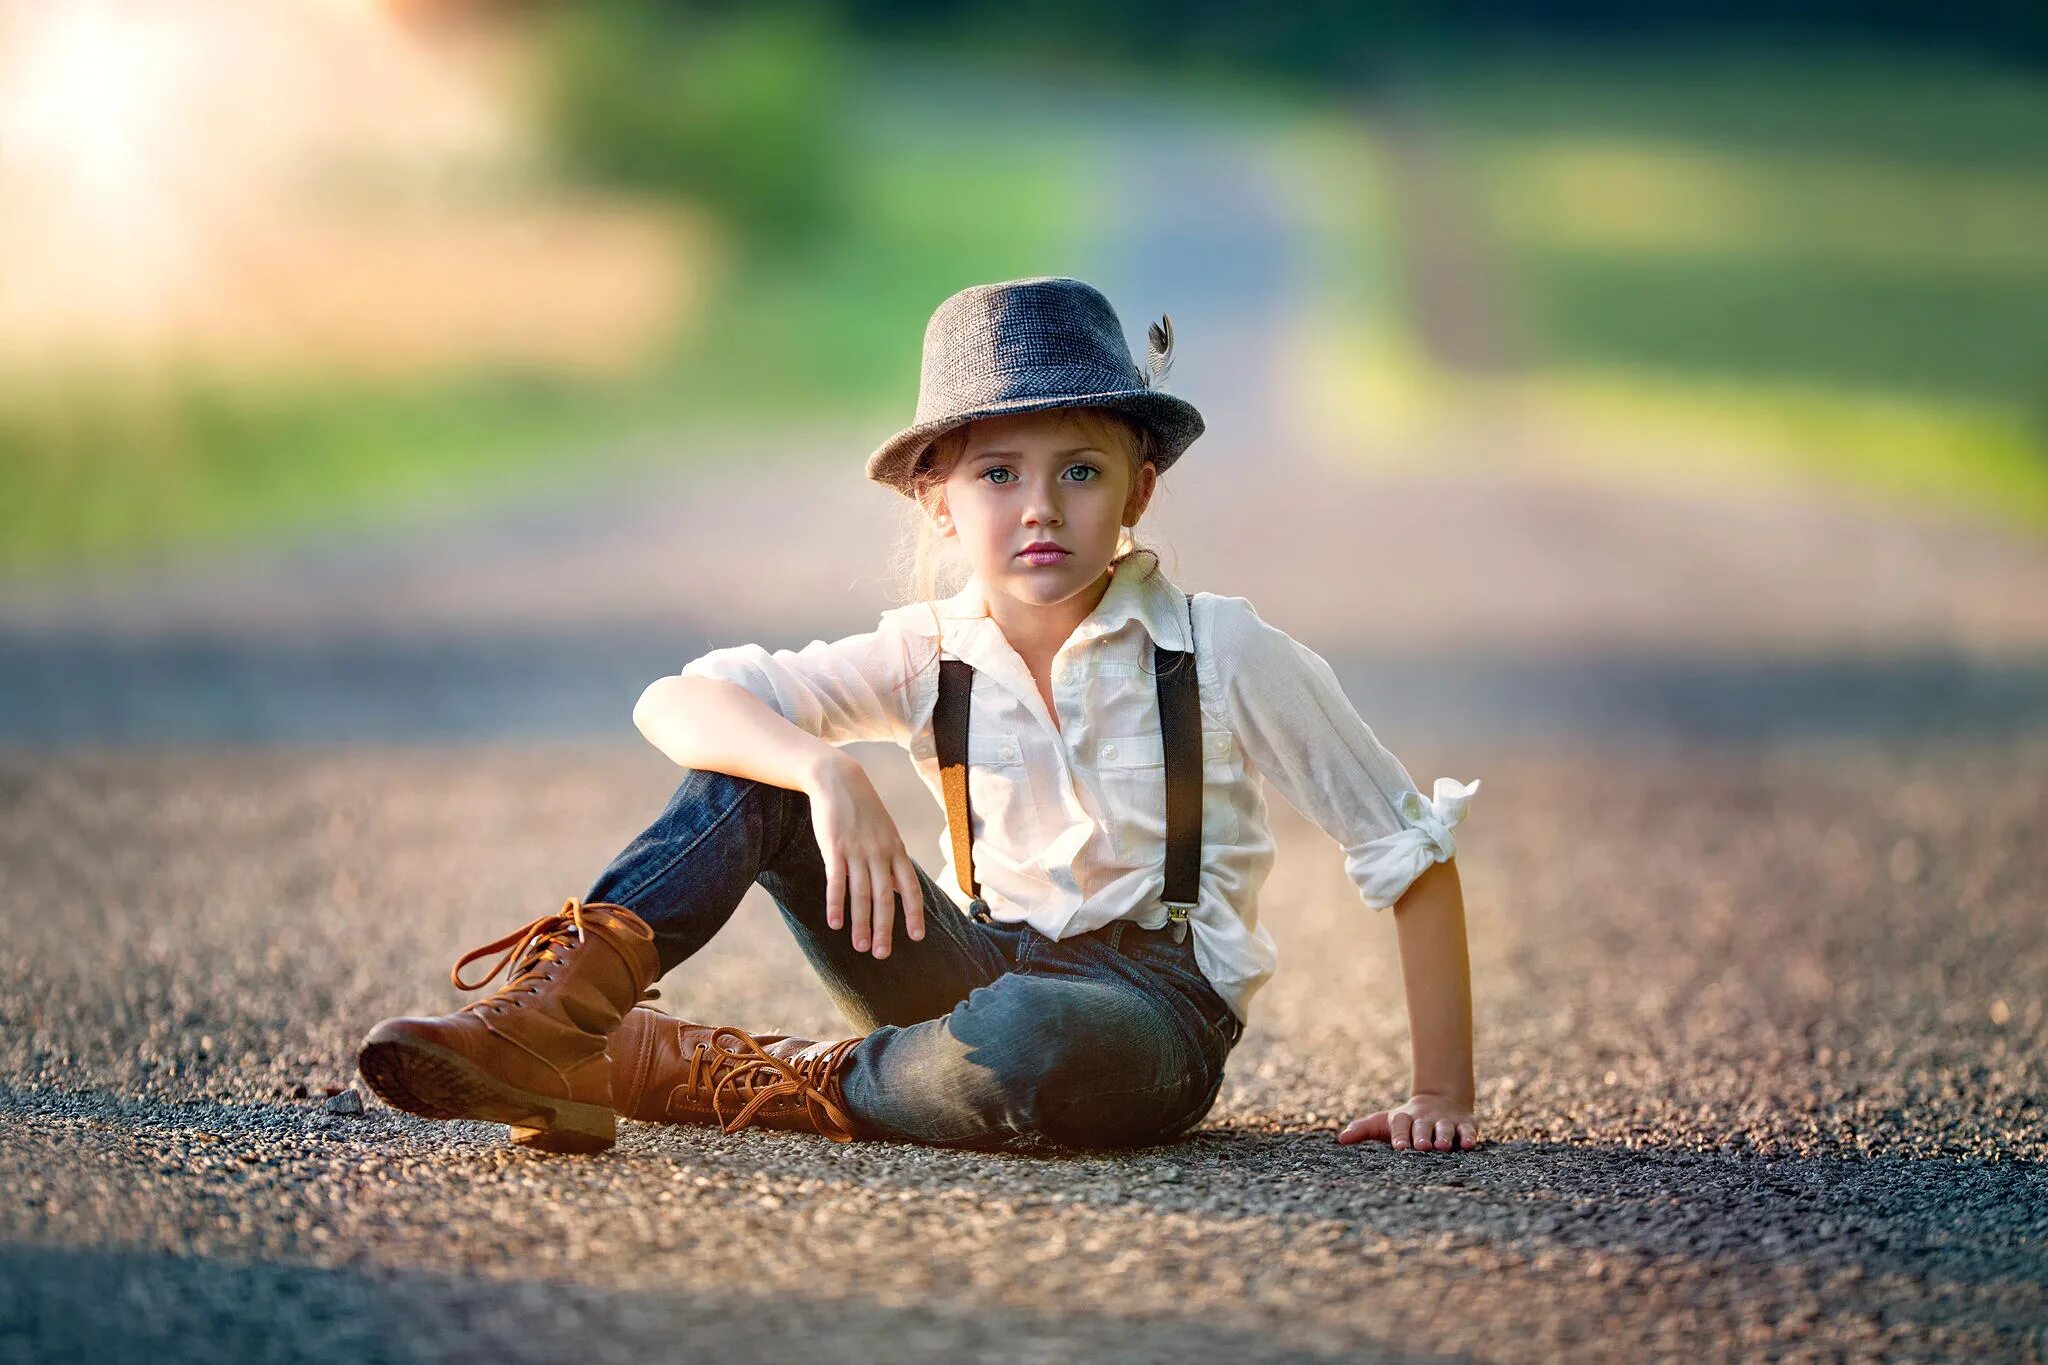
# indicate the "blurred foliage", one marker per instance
pixel 1864 223
pixel 943 196
pixel 1849 100
pixel 735 108
pixel 1344 41
pixel 1829 264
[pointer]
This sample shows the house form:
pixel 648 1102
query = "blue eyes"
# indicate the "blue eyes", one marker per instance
pixel 1005 469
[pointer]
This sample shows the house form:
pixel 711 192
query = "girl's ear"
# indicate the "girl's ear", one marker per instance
pixel 931 500
pixel 1141 493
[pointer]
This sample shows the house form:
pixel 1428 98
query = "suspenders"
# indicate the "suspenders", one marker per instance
pixel 1180 724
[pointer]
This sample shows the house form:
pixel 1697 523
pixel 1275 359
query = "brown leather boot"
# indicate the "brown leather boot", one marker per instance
pixel 532 1055
pixel 669 1070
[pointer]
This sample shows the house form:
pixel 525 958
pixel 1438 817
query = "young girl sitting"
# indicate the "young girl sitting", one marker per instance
pixel 1082 969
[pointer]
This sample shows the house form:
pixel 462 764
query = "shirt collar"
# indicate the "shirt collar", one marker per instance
pixel 1138 591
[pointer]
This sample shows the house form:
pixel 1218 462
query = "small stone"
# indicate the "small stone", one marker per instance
pixel 347 1102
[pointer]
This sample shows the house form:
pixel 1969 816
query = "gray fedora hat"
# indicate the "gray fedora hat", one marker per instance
pixel 1026 346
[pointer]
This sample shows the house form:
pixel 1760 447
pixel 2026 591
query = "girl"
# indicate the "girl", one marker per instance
pixel 1097 737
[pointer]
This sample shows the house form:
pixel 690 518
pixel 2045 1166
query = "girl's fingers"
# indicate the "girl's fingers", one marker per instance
pixel 884 883
pixel 1372 1126
pixel 860 904
pixel 913 897
pixel 835 891
pixel 1415 1132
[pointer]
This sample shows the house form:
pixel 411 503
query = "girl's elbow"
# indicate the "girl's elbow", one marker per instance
pixel 653 699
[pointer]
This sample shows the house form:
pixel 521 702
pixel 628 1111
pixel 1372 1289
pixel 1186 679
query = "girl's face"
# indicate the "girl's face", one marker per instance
pixel 1040 478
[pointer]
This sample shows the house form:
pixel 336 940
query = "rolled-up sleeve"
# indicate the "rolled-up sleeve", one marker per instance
pixel 1301 732
pixel 842 691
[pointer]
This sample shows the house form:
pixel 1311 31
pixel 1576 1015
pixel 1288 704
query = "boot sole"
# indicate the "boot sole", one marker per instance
pixel 433 1082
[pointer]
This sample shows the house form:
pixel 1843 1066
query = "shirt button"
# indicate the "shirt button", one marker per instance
pixel 1109 751
pixel 1065 675
pixel 1009 751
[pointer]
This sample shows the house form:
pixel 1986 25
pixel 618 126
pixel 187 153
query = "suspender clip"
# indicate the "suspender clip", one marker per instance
pixel 1177 918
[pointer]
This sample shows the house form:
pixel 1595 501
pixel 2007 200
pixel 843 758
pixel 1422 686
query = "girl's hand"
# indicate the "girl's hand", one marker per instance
pixel 1427 1123
pixel 867 869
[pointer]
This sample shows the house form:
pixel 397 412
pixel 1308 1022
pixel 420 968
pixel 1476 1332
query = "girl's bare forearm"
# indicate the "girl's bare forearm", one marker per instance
pixel 1436 974
pixel 712 724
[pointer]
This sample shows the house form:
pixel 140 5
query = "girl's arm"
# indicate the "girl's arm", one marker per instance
pixel 1436 973
pixel 709 723
pixel 1429 922
pixel 1301 732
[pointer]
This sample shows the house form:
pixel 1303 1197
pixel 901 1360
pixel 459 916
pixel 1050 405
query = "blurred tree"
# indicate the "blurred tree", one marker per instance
pixel 1340 40
pixel 731 106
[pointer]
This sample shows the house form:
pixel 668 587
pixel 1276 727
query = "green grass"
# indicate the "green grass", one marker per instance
pixel 1934 334
pixel 101 472
pixel 1974 461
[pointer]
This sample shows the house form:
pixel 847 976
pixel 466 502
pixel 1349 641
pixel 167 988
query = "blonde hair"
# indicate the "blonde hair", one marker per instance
pixel 927 565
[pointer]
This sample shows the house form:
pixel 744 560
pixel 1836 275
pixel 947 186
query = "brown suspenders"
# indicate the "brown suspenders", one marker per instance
pixel 1180 724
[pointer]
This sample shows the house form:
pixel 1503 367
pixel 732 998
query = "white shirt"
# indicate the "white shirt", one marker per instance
pixel 1070 820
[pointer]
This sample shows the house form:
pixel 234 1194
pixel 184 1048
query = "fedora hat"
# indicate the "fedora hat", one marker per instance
pixel 1027 346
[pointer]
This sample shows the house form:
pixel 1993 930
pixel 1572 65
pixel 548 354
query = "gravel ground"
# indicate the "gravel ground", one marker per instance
pixel 1761 1074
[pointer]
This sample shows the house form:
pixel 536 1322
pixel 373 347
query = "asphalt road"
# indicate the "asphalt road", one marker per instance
pixel 1761 1062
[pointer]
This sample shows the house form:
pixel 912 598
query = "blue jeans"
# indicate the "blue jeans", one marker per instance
pixel 974 1034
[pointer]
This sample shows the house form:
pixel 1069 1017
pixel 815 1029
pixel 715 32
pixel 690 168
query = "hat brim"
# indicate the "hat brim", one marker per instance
pixel 1174 421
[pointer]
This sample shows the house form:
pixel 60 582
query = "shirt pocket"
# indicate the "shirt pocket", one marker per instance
pixel 1133 775
pixel 999 790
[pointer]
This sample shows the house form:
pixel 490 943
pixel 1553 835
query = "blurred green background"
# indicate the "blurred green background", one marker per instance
pixel 326 263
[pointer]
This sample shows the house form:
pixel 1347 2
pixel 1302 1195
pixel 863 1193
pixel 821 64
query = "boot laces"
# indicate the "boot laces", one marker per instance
pixel 760 1076
pixel 529 950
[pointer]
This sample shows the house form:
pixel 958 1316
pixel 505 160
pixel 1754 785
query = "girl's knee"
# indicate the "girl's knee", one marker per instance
pixel 1077 1064
pixel 1101 1068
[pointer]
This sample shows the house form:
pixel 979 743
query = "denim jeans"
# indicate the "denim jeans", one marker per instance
pixel 973 1035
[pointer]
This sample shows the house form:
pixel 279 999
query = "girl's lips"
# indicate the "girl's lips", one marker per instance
pixel 1043 556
